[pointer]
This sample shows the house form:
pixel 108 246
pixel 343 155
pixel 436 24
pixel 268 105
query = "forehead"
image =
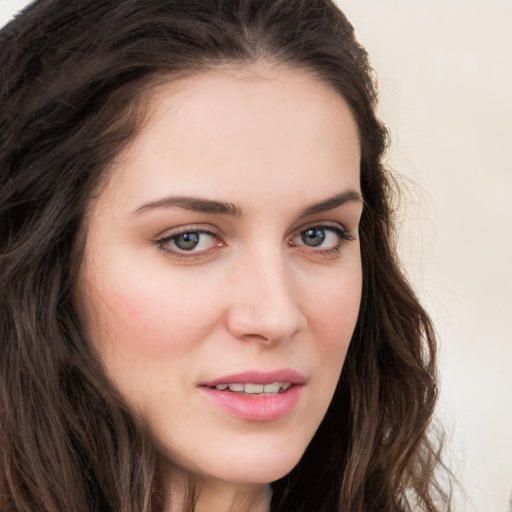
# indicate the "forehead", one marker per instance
pixel 231 127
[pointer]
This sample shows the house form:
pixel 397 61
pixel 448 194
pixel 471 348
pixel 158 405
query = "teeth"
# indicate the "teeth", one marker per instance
pixel 253 388
pixel 274 387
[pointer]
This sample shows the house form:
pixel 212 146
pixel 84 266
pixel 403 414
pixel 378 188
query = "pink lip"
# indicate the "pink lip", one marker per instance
pixel 259 377
pixel 256 407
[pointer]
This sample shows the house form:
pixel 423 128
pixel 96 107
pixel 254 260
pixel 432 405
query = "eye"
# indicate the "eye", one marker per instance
pixel 189 243
pixel 313 237
pixel 321 239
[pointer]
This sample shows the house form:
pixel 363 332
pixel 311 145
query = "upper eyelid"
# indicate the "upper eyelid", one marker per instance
pixel 320 224
pixel 172 232
pixel 169 233
pixel 209 229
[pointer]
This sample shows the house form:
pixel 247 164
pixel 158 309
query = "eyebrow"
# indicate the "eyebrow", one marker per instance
pixel 348 196
pixel 204 205
pixel 195 204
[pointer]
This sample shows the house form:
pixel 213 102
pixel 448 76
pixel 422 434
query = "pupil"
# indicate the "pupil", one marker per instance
pixel 187 241
pixel 313 236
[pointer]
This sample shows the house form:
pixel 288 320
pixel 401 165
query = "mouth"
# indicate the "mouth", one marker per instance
pixel 256 396
pixel 274 388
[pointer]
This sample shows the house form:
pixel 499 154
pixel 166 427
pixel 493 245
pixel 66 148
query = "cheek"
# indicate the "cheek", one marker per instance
pixel 146 335
pixel 333 311
pixel 143 319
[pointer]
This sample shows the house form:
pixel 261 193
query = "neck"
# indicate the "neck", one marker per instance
pixel 218 496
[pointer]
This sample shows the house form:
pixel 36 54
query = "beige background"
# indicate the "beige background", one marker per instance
pixel 445 75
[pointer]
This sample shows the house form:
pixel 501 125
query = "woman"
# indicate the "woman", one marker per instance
pixel 196 240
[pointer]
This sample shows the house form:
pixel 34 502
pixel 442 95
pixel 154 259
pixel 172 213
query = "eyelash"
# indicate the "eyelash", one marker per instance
pixel 342 235
pixel 164 243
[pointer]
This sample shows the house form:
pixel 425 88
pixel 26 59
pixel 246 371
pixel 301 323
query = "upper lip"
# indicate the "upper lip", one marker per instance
pixel 259 377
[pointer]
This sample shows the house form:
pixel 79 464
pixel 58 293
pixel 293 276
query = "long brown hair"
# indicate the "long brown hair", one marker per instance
pixel 74 79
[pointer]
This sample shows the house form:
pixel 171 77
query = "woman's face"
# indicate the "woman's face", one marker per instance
pixel 222 276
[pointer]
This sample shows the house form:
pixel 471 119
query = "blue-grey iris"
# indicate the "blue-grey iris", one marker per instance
pixel 313 236
pixel 187 241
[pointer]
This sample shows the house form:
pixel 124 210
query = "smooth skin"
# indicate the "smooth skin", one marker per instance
pixel 225 241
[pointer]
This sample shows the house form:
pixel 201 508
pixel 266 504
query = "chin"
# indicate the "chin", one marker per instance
pixel 261 465
pixel 262 462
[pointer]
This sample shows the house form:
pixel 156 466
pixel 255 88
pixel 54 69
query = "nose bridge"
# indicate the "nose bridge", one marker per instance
pixel 266 305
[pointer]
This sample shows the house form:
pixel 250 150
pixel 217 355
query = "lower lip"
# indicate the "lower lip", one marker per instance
pixel 255 407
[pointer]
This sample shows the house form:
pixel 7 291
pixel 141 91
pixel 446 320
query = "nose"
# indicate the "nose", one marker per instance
pixel 266 304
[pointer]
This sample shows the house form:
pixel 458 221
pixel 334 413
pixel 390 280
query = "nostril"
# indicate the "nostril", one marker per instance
pixel 256 337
